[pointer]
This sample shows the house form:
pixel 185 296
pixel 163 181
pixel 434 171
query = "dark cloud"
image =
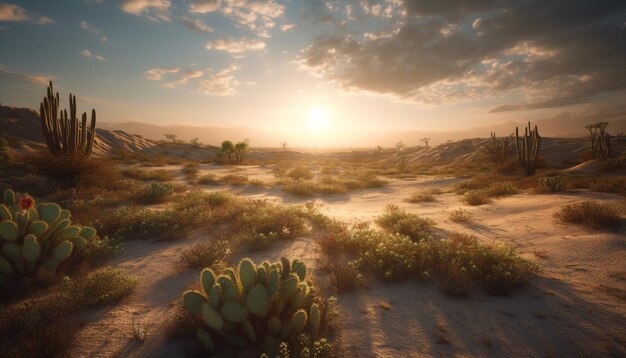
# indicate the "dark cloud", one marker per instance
pixel 550 53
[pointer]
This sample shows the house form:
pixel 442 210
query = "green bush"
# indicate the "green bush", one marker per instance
pixel 396 220
pixel 102 287
pixel 207 254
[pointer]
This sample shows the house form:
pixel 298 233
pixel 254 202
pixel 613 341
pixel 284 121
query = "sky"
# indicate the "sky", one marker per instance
pixel 322 72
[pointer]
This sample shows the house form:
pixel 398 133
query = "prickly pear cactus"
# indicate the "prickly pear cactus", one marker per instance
pixel 34 236
pixel 255 305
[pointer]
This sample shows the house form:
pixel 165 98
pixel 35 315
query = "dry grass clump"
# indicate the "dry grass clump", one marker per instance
pixel 461 216
pixel 601 184
pixel 207 254
pixel 300 173
pixel 191 170
pixel 331 184
pixel 424 196
pixel 141 174
pixel 260 224
pixel 235 179
pixel 502 189
pixel 592 214
pixel 43 326
pixel 611 164
pixel 551 184
pixel 476 197
pixel 102 287
pixel 208 179
pixel 398 221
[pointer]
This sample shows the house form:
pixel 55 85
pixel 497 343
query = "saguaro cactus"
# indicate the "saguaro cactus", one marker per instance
pixel 528 149
pixel 64 134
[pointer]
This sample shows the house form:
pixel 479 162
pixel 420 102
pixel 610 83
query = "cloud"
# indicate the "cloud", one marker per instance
pixel 155 10
pixel 10 75
pixel 287 27
pixel 208 82
pixel 546 54
pixel 89 54
pixel 157 74
pixel 184 78
pixel 89 28
pixel 257 16
pixel 11 12
pixel 204 6
pixel 195 24
pixel 235 46
pixel 222 83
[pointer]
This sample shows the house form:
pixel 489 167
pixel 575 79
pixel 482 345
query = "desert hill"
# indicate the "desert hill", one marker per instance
pixel 21 126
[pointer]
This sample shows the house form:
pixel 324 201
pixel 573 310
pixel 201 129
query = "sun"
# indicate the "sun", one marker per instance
pixel 317 120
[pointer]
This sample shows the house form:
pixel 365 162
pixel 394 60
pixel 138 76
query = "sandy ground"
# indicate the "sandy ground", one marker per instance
pixel 576 308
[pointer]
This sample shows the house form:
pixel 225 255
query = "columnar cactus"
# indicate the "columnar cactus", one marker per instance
pixel 498 149
pixel 34 236
pixel 262 304
pixel 528 149
pixel 64 135
pixel 600 140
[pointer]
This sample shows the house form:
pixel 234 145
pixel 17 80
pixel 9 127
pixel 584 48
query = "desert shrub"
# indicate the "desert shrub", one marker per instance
pixel 392 256
pixel 301 188
pixel 473 184
pixel 610 164
pixel 261 224
pixel 5 157
pixel 502 189
pixel 256 182
pixel 102 287
pixel 345 278
pixel 207 254
pixel 208 179
pixel 248 293
pixel 80 171
pixel 300 172
pixel 592 214
pixel 141 174
pixel 396 220
pixel 476 197
pixel 235 179
pixel 461 259
pixel 421 197
pixel 39 327
pixel 608 185
pixel 553 184
pixel 155 193
pixel 190 170
pixel 460 216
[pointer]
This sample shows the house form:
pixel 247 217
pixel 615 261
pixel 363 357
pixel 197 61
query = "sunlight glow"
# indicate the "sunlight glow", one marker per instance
pixel 317 120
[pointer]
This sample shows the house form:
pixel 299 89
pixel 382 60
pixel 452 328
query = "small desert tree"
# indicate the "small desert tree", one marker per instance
pixel 402 154
pixel 241 149
pixel 171 137
pixel 600 140
pixel 379 148
pixel 227 151
pixel 426 141
pixel 283 145
pixel 195 142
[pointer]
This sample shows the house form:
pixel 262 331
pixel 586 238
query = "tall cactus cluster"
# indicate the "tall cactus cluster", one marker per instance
pixel 497 149
pixel 64 134
pixel 34 236
pixel 258 305
pixel 528 148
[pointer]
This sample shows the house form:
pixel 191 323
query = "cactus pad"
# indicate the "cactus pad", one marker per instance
pixel 212 317
pixel 234 312
pixel 8 230
pixel 193 301
pixel 49 212
pixel 257 301
pixel 31 249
